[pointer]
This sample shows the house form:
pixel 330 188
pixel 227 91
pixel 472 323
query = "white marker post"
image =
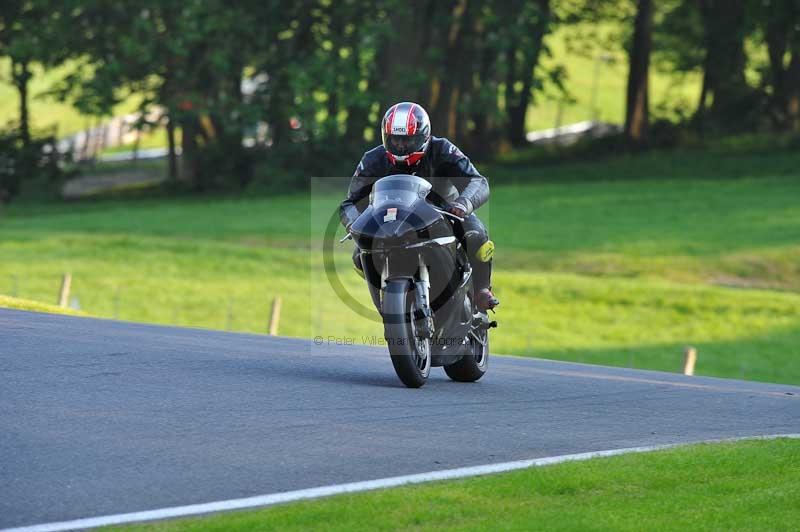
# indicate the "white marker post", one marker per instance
pixel 689 360
pixel 275 316
pixel 63 294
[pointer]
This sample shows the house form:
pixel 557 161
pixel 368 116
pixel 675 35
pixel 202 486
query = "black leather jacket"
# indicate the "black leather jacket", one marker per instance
pixel 453 176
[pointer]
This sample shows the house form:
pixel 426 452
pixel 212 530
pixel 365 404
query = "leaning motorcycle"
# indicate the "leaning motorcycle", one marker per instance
pixel 420 280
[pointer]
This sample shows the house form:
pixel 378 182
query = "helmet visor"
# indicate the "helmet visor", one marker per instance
pixel 400 145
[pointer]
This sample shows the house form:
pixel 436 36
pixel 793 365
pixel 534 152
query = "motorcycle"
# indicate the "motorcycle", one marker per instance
pixel 420 280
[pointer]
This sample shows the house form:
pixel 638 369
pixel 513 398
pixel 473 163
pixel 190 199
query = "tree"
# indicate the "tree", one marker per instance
pixel 187 58
pixel 524 47
pixel 637 103
pixel 724 82
pixel 780 20
pixel 29 34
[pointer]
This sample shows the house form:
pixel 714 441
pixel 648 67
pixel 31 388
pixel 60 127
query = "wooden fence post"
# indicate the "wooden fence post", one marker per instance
pixel 84 153
pixel 136 144
pixel 689 360
pixel 275 316
pixel 63 294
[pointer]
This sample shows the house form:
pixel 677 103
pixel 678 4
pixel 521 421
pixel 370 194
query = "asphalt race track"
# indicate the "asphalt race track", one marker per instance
pixel 101 417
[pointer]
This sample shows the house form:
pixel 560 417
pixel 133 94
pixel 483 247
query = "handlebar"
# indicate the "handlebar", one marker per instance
pixel 450 214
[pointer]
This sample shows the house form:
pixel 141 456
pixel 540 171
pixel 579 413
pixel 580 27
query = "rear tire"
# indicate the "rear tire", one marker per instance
pixel 474 365
pixel 411 356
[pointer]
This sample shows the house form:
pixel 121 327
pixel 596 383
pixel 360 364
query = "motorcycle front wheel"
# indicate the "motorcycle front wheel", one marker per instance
pixel 411 355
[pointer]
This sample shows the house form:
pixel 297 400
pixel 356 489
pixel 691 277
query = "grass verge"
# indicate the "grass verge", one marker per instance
pixel 751 485
pixel 35 306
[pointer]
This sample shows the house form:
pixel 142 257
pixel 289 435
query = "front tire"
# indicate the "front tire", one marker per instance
pixel 411 356
pixel 473 365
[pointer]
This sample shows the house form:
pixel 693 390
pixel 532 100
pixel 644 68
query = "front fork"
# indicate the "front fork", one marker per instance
pixel 423 315
pixel 422 289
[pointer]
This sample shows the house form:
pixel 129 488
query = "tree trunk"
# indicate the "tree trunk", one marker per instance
pixel 172 172
pixel 776 34
pixel 511 76
pixel 358 110
pixel 167 18
pixel 337 66
pixel 793 91
pixel 189 131
pixel 333 112
pixel 518 101
pixel 353 100
pixel 724 26
pixel 781 35
pixel 637 107
pixel 280 99
pixel 443 103
pixel 21 74
pixel 482 140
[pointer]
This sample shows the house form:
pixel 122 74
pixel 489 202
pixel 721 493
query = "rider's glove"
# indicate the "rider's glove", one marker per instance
pixel 457 209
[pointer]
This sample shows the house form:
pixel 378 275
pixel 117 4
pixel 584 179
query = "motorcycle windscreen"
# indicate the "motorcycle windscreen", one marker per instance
pixel 398 190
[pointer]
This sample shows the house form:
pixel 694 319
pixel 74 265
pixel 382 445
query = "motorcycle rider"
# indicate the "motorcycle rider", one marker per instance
pixel 409 148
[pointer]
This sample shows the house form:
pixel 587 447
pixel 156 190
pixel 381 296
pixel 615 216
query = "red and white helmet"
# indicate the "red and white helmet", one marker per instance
pixel 406 131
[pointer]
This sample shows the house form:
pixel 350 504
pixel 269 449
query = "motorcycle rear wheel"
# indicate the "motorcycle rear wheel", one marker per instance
pixel 473 365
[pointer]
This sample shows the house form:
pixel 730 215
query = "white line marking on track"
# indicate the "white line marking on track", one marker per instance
pixel 790 393
pixel 353 487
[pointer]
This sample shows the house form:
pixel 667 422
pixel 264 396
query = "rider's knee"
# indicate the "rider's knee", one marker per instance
pixel 485 252
pixel 478 245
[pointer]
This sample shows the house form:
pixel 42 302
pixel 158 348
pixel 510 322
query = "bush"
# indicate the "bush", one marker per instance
pixel 223 165
pixel 667 134
pixel 292 165
pixel 40 159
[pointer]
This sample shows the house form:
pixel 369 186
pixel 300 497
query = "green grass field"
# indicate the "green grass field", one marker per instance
pixel 742 486
pixel 623 271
